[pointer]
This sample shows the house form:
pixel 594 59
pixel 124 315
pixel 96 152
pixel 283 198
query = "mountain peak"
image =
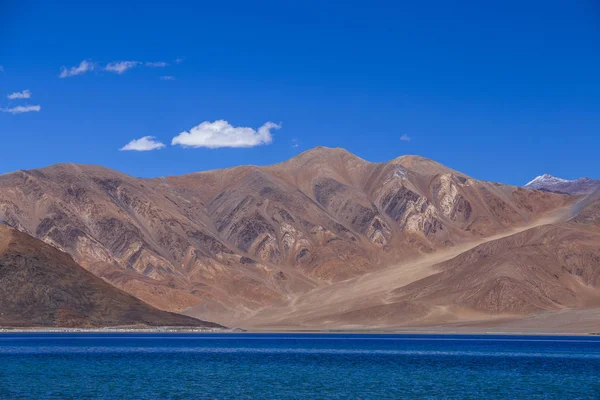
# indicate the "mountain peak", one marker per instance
pixel 545 178
pixel 423 165
pixel 321 154
pixel 325 151
pixel 551 183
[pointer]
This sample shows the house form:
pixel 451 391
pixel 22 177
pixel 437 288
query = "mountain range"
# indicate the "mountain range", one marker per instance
pixel 325 239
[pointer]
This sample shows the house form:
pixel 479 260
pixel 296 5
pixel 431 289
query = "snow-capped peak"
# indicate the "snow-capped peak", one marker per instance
pixel 546 178
pixel 551 183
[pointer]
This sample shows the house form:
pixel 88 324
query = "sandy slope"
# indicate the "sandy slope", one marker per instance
pixel 311 309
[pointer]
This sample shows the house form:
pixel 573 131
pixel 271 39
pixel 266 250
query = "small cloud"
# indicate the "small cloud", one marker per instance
pixel 157 64
pixel 295 143
pixel 179 60
pixel 167 78
pixel 82 68
pixel 25 94
pixel 146 143
pixel 405 138
pixel 119 67
pixel 21 109
pixel 1 68
pixel 220 133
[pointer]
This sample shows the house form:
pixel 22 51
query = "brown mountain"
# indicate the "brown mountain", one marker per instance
pixel 224 245
pixel 41 286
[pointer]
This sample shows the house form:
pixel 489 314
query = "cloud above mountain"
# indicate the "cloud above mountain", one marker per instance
pixel 156 64
pixel 21 109
pixel 25 94
pixel 120 67
pixel 83 67
pixel 117 67
pixel 146 143
pixel 221 133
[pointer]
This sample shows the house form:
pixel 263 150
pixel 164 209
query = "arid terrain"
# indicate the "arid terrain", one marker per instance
pixel 325 240
pixel 541 278
pixel 41 286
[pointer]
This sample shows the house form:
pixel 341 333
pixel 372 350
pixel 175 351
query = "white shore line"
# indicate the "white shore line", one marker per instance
pixel 8 330
pixel 166 329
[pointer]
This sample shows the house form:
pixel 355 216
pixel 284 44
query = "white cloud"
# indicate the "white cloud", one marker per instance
pixel 167 78
pixel 157 64
pixel 20 109
pixel 405 138
pixel 178 60
pixel 221 134
pixel 25 94
pixel 82 68
pixel 119 67
pixel 1 68
pixel 295 143
pixel 146 143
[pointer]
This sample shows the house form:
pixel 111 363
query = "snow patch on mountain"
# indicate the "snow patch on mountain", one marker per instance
pixel 558 185
pixel 546 178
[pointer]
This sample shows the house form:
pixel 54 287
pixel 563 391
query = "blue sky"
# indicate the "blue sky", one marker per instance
pixel 502 92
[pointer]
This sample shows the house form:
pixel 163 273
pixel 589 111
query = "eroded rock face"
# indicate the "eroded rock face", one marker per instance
pixel 379 232
pixel 452 204
pixel 399 204
pixel 232 241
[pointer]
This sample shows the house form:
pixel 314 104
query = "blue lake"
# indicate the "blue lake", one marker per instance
pixel 297 366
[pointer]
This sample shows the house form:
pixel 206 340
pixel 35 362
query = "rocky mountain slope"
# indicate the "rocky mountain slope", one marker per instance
pixel 553 266
pixel 224 244
pixel 550 183
pixel 41 286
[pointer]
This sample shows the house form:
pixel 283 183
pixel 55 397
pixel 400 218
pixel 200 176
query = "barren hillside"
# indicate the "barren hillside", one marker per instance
pixel 41 286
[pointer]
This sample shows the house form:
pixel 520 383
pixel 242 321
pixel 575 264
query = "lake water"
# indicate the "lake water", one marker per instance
pixel 297 366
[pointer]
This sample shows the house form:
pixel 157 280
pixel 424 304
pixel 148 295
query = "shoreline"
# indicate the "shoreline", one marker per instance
pixel 184 330
pixel 167 329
